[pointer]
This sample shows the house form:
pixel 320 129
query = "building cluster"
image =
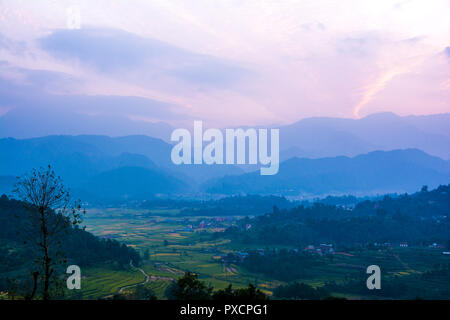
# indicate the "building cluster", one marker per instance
pixel 218 223
pixel 322 249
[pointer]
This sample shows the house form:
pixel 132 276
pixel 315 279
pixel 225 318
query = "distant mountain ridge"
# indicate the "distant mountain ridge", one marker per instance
pixel 318 156
pixel 49 118
pixel 93 164
pixel 374 172
pixel 135 183
pixel 315 137
pixel 320 137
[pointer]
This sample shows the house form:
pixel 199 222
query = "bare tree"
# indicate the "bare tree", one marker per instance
pixel 52 212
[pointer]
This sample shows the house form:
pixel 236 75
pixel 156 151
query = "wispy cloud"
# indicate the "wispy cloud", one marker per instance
pixel 375 87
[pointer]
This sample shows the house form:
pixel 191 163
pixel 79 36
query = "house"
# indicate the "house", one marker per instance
pixel 242 255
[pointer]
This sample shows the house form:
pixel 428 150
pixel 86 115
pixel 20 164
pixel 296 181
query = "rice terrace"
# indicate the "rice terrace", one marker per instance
pixel 173 244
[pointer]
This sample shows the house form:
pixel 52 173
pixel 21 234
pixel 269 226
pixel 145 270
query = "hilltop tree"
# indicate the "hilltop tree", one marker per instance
pixel 189 288
pixel 146 255
pixel 143 293
pixel 52 212
pixel 243 294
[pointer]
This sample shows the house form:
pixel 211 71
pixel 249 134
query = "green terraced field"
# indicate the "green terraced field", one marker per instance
pixel 195 251
pixel 99 282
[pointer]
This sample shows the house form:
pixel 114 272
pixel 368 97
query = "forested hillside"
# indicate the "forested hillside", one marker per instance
pixel 420 218
pixel 77 245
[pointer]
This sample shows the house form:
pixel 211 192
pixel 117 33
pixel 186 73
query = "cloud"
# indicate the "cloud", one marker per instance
pixel 32 90
pixel 374 88
pixel 421 86
pixel 365 45
pixel 115 51
pixel 237 63
pixel 375 60
pixel 15 47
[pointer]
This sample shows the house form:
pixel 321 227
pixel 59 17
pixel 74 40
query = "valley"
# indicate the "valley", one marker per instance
pixel 177 244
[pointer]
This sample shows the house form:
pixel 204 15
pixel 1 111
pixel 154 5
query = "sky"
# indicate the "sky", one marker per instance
pixel 226 62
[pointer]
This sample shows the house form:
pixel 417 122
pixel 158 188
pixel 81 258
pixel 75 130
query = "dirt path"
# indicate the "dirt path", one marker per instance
pixel 147 279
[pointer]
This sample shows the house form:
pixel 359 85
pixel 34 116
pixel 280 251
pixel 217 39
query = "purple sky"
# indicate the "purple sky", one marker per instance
pixel 226 62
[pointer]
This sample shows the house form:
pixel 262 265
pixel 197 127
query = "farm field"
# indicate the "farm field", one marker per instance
pixel 101 282
pixel 176 244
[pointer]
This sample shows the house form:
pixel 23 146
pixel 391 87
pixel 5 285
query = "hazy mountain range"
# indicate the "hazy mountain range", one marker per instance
pixel 101 166
pixel 328 137
pixel 319 156
pixel 139 167
pixel 311 137
pixel 376 172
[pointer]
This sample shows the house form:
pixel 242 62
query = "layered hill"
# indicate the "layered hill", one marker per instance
pixel 371 173
pixel 329 137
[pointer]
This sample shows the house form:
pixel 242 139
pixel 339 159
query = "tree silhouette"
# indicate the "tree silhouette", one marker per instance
pixel 52 212
pixel 189 288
